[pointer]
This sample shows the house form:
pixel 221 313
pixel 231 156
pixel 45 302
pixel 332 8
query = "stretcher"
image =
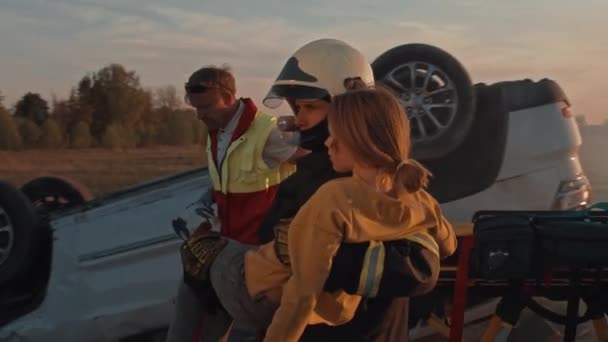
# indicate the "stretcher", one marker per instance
pixel 519 255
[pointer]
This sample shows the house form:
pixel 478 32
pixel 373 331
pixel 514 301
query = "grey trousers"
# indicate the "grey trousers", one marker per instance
pixel 227 275
pixel 189 317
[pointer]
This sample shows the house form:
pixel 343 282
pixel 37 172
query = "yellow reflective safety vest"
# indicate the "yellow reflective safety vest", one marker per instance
pixel 244 186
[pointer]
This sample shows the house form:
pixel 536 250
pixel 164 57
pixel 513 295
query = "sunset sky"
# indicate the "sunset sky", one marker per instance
pixel 48 45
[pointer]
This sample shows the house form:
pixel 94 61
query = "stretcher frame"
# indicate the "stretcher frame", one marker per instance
pixel 564 284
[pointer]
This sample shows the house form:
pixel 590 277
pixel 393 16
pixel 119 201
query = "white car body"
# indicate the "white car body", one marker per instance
pixel 542 162
pixel 115 262
pixel 539 172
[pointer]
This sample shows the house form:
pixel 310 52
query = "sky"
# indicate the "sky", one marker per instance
pixel 47 46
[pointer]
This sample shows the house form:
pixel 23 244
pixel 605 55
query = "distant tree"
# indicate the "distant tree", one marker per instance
pixel 70 112
pixel 200 130
pixel 199 133
pixel 29 131
pixel 32 106
pixel 80 136
pixel 166 97
pixel 9 135
pixel 115 97
pixel 128 136
pixel 177 130
pixel 147 110
pixel 52 136
pixel 62 112
pixel 147 135
pixel 111 137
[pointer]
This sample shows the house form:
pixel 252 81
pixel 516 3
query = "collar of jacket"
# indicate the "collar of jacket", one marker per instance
pixel 313 139
pixel 245 121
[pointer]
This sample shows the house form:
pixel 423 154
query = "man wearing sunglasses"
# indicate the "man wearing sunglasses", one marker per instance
pixel 247 154
pixel 248 157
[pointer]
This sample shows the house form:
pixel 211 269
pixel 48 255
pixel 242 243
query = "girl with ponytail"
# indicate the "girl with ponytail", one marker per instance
pixel 382 202
pixel 372 125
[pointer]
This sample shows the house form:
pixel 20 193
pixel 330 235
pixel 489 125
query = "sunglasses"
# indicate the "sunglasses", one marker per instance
pixel 201 88
pixel 197 88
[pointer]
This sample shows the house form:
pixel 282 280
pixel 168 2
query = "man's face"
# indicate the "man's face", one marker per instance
pixel 213 107
pixel 309 112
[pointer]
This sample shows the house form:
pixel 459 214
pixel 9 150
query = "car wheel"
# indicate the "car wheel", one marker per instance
pixel 56 193
pixel 436 93
pixel 19 236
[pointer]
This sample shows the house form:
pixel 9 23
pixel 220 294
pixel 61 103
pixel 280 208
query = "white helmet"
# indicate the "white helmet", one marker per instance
pixel 319 69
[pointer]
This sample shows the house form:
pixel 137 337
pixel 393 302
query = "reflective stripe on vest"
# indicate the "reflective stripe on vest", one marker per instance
pixel 373 262
pixel 243 169
pixel 426 240
pixel 373 267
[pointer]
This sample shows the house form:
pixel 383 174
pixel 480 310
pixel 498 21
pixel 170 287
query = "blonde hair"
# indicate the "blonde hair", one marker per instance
pixel 371 122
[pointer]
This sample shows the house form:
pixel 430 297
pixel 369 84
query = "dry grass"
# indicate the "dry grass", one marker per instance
pixel 100 170
pixel 104 170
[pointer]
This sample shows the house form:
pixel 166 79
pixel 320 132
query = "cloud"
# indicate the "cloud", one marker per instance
pixel 59 42
pixel 164 45
pixel 87 14
pixel 175 41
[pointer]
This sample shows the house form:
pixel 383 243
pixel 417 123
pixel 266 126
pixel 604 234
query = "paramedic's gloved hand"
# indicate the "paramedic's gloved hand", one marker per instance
pixel 204 206
pixel 205 212
pixel 197 254
pixel 195 214
pixel 180 227
pixel 207 197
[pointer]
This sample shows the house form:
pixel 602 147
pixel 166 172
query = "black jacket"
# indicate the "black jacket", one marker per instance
pixel 312 171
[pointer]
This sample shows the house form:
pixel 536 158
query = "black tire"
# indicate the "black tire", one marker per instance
pixel 56 193
pixel 457 120
pixel 22 216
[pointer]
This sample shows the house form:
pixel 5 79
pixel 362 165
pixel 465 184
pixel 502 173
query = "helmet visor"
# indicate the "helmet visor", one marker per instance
pixel 280 92
pixel 293 83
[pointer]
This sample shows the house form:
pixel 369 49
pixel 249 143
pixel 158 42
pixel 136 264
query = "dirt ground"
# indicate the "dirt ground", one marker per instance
pixel 100 170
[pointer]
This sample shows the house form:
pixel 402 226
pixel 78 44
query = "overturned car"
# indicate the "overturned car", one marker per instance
pixel 77 268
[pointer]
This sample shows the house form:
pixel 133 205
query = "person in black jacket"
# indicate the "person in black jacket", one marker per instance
pixel 313 170
pixel 409 269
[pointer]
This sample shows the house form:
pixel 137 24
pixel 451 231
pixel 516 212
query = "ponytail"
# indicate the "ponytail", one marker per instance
pixel 411 175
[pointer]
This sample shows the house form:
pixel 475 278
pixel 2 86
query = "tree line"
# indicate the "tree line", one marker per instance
pixel 106 109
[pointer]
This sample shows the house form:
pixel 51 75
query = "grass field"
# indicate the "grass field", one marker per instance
pixel 104 170
pixel 100 170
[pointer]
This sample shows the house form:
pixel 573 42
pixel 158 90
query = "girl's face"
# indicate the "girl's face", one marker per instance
pixel 341 156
